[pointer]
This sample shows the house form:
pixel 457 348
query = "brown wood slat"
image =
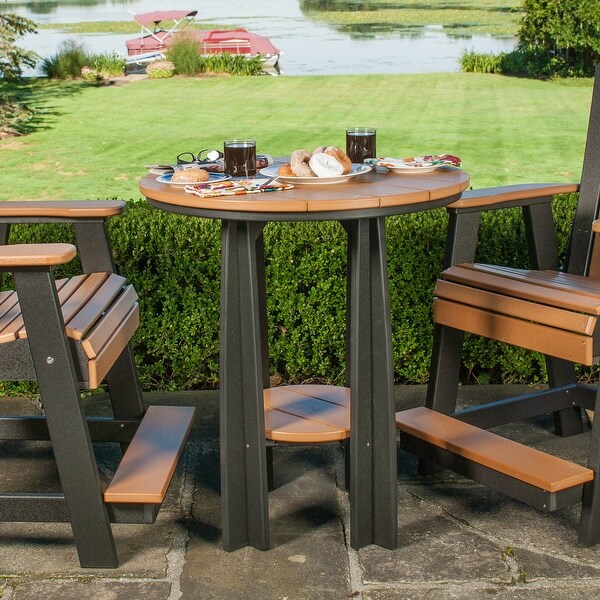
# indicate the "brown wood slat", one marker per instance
pixel 81 296
pixel 147 467
pixel 555 280
pixel 532 336
pixel 511 193
pixel 10 323
pixel 94 301
pixel 514 307
pixel 105 357
pixel 65 208
pixel 307 413
pixel 594 267
pixel 8 313
pixel 36 255
pixel 72 293
pixel 104 328
pixel 524 289
pixel 4 297
pixel 493 451
pixel 15 329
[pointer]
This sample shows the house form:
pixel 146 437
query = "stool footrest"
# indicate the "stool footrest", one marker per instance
pixel 307 413
pixel 531 466
pixel 146 469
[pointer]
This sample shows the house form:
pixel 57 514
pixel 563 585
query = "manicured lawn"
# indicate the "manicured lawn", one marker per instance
pixel 93 142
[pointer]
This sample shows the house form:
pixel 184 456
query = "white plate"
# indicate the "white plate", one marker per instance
pixel 356 170
pixel 414 167
pixel 212 178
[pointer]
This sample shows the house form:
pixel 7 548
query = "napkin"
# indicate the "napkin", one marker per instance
pixel 236 188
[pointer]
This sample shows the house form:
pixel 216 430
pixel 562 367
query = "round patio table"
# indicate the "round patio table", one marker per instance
pixel 360 205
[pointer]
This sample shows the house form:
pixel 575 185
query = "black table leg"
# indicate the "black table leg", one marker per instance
pixel 244 503
pixel 370 374
pixel 71 443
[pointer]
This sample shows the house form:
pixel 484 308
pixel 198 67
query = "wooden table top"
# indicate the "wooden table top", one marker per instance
pixel 374 190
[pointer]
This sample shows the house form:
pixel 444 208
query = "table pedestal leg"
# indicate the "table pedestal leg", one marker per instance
pixel 370 375
pixel 244 503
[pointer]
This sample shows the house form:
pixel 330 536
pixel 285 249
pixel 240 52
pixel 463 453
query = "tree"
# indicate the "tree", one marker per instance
pixel 565 32
pixel 13 58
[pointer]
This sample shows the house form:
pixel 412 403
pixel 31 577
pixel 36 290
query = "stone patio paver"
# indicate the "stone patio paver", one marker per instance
pixel 456 539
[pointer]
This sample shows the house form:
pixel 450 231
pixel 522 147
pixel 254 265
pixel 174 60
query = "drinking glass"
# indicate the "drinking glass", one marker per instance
pixel 240 157
pixel 360 143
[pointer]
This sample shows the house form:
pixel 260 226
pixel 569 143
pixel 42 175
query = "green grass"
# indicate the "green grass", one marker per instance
pixel 93 141
pixel 466 17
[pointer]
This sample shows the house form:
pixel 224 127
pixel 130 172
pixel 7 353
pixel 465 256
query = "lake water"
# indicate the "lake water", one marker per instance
pixel 309 47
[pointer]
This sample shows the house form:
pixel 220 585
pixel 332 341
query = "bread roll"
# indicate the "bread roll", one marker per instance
pixel 190 176
pixel 286 170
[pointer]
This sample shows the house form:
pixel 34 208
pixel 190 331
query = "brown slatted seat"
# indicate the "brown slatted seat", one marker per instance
pixel 546 309
pixel 72 334
pixel 100 312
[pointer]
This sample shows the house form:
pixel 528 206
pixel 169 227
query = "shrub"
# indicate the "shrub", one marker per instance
pixel 234 64
pixel 67 62
pixel 473 62
pixel 183 53
pixel 174 263
pixel 108 64
pixel 564 33
pixel 160 69
pixel 14 116
pixel 90 74
pixel 556 38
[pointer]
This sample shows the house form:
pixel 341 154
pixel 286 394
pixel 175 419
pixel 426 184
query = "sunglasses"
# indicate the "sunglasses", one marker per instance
pixel 186 158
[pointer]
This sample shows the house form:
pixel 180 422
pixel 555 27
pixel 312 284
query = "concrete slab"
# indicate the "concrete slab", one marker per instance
pixel 96 589
pixel 452 592
pixel 432 548
pixel 308 555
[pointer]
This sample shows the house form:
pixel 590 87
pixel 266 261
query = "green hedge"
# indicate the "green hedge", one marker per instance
pixel 173 261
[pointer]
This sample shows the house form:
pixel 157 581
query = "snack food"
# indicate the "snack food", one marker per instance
pixel 341 156
pixel 190 176
pixel 285 170
pixel 323 162
pixel 325 165
pixel 299 162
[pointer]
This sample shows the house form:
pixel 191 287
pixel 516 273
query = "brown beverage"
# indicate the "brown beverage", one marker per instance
pixel 360 143
pixel 240 158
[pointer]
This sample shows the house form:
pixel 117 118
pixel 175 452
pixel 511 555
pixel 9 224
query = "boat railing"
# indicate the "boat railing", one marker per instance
pixel 214 47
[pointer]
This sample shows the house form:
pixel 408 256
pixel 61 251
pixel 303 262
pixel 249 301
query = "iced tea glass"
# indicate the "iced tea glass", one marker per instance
pixel 360 143
pixel 240 157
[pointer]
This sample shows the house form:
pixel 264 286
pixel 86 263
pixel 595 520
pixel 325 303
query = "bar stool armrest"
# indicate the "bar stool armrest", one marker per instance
pixel 17 256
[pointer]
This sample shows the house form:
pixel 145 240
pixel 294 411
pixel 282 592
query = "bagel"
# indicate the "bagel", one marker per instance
pixel 319 149
pixel 299 162
pixel 285 170
pixel 190 176
pixel 340 155
pixel 326 165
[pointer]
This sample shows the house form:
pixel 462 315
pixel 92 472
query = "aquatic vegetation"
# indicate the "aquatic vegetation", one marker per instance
pixel 466 17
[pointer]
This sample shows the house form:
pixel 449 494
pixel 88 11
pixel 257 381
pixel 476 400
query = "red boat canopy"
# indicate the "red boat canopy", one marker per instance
pixel 163 15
